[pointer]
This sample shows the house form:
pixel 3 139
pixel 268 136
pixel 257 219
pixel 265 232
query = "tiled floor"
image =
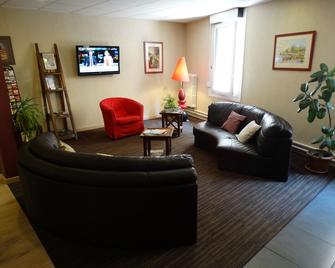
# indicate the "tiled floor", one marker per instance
pixel 308 241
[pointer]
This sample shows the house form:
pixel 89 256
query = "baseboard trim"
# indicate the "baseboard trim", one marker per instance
pixel 196 114
pixel 102 125
pixel 90 128
pixel 302 149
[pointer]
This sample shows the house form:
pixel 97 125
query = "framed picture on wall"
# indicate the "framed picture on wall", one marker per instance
pixel 6 50
pixel 153 57
pixel 293 51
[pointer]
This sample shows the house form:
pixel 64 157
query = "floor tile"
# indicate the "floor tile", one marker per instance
pixel 302 248
pixel 324 201
pixel 318 218
pixel 268 259
pixel 319 221
pixel 332 185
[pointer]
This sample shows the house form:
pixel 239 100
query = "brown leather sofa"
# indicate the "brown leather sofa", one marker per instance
pixel 126 202
pixel 266 155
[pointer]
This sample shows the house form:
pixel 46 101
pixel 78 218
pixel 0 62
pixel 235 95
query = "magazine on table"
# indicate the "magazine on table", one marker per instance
pixel 154 131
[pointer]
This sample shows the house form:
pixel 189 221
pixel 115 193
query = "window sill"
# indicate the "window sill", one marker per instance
pixel 223 96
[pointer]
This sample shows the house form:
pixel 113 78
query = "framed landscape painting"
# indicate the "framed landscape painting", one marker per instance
pixel 6 50
pixel 293 51
pixel 153 57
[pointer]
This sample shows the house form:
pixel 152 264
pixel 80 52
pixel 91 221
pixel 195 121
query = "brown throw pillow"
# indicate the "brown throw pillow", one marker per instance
pixel 233 121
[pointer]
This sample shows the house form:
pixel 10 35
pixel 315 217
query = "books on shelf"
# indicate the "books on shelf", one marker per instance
pixel 154 131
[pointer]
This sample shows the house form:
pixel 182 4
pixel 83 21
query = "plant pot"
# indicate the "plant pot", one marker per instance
pixel 171 110
pixel 318 161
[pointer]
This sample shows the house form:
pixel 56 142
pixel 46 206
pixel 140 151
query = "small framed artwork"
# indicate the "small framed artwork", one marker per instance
pixel 294 51
pixel 6 50
pixel 153 57
pixel 49 62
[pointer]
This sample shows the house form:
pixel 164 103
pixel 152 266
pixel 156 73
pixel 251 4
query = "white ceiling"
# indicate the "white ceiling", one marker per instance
pixel 169 10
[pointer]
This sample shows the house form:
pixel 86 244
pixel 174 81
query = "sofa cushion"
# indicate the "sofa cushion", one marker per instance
pixel 66 147
pixel 233 122
pixel 209 128
pixel 123 120
pixel 234 146
pixel 207 135
pixel 248 132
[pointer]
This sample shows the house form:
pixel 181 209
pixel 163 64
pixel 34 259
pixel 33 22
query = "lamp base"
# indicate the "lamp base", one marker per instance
pixel 182 97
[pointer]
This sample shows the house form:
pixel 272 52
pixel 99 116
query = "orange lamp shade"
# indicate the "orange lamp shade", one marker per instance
pixel 181 72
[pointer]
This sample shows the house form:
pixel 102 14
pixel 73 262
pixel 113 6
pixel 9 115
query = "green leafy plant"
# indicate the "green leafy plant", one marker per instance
pixel 316 95
pixel 28 119
pixel 170 102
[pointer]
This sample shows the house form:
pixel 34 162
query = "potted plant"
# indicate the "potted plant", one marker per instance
pixel 316 95
pixel 170 103
pixel 28 119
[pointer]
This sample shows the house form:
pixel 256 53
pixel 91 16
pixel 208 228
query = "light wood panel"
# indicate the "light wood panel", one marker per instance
pixel 19 245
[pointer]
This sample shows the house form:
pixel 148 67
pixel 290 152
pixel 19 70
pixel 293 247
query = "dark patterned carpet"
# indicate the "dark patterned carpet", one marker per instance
pixel 237 214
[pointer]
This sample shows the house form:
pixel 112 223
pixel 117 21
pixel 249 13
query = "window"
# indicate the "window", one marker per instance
pixel 227 50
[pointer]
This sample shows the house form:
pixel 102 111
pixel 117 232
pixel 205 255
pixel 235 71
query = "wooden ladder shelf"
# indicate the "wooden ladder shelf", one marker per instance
pixel 55 97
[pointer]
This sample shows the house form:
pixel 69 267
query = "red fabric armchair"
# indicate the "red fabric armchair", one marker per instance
pixel 122 117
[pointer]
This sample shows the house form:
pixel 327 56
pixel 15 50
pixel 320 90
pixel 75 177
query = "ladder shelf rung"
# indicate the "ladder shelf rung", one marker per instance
pixel 52 73
pixel 56 90
pixel 66 134
pixel 61 114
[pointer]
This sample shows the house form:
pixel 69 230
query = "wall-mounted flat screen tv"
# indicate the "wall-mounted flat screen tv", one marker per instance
pixel 95 60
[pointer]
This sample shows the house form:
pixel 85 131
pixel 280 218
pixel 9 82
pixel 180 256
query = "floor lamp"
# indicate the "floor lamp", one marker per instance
pixel 181 74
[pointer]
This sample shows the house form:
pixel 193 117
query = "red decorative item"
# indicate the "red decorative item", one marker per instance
pixel 181 74
pixel 182 98
pixel 122 117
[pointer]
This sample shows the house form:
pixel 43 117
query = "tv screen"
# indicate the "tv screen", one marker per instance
pixel 93 60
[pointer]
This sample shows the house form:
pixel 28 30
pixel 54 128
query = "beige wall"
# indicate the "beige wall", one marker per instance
pixel 28 27
pixel 262 86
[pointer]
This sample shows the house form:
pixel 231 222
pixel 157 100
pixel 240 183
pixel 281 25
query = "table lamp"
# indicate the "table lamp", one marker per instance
pixel 181 74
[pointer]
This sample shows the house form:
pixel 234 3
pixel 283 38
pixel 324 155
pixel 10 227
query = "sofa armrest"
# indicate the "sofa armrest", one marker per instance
pixel 274 133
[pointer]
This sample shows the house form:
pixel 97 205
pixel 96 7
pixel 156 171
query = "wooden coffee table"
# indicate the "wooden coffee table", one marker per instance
pixel 148 137
pixel 174 119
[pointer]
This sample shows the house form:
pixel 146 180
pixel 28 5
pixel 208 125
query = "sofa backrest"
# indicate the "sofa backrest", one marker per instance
pixel 43 156
pixel 275 130
pixel 122 106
